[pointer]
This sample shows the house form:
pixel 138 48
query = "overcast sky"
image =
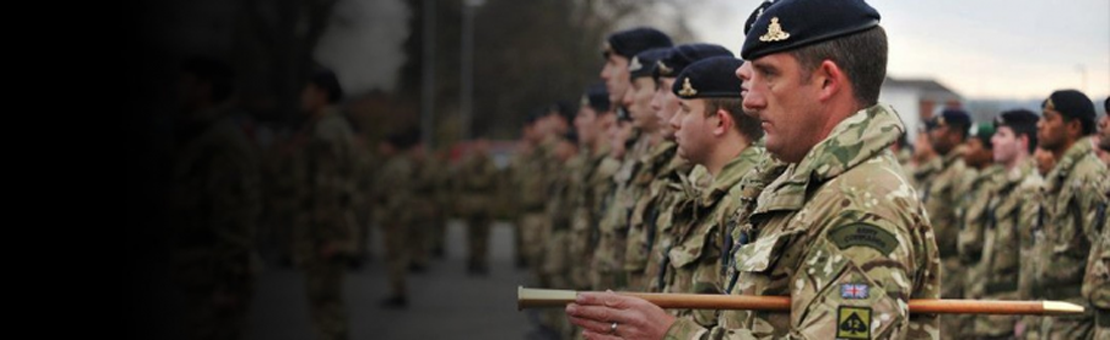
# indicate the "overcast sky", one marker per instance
pixel 983 49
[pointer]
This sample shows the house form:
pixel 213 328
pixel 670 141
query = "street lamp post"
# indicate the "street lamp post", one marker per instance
pixel 467 89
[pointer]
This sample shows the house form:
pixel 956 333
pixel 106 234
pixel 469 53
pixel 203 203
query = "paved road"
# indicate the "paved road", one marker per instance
pixel 445 302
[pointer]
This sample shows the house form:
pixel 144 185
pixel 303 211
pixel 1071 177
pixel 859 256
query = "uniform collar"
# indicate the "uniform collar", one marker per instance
pixel 858 138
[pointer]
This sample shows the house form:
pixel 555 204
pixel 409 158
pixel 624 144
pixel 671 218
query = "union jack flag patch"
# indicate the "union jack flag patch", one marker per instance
pixel 854 290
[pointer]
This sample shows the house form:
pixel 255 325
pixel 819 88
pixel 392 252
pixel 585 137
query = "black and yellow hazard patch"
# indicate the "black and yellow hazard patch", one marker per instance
pixel 853 322
pixel 863 234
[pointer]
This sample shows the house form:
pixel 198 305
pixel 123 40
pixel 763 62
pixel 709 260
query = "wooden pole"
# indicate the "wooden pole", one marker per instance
pixel 540 298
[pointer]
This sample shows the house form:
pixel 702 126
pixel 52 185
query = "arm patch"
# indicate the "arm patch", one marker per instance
pixel 865 235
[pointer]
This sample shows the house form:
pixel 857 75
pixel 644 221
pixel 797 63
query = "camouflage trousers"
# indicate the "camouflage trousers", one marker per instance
pixel 530 226
pixel 954 326
pixel 418 242
pixel 209 315
pixel 396 256
pixel 324 283
pixel 438 231
pixel 477 235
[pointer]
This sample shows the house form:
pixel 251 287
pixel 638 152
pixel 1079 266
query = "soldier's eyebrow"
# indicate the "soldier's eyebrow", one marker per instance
pixel 764 68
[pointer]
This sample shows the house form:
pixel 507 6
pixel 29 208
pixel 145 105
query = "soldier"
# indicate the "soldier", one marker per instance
pixel 215 204
pixel 325 234
pixel 656 156
pixel 827 62
pixel 1069 202
pixel 424 207
pixel 671 184
pixel 941 193
pixel 982 175
pixel 1096 283
pixel 392 202
pixel 712 130
pixel 595 117
pixel 1010 213
pixel 620 48
pixel 477 187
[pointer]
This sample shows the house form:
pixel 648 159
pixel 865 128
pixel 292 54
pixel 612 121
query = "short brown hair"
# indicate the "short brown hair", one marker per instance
pixel 747 125
pixel 862 56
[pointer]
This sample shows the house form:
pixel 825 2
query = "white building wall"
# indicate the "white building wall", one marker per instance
pixel 907 103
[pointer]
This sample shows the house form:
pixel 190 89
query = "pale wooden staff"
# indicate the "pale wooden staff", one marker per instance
pixel 541 298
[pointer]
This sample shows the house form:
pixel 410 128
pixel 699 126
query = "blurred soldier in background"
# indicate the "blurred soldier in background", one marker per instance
pixel 983 176
pixel 215 205
pixel 393 208
pixel 1009 217
pixel 1069 202
pixel 324 237
pixel 476 194
pixel 941 193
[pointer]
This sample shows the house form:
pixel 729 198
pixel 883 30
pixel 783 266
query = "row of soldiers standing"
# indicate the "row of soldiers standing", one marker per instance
pixel 619 204
pixel 1013 226
pixel 317 199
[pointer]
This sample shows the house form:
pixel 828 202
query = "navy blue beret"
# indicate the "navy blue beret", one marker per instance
pixel 950 117
pixel 628 43
pixel 643 63
pixel 790 24
pixel 1071 104
pixel 709 78
pixel 1019 120
pixel 684 55
pixel 596 97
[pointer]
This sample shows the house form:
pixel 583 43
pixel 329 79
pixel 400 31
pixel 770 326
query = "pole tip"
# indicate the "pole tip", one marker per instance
pixel 1059 307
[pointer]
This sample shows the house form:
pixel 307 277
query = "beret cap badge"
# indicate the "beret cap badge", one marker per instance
pixel 663 69
pixel 635 64
pixel 687 89
pixel 774 32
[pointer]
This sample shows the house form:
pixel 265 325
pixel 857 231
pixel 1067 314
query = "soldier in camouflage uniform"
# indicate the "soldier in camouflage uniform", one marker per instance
pixel 983 176
pixel 632 178
pixel 595 117
pixel 1069 203
pixel 674 184
pixel 1096 283
pixel 712 130
pixel 1010 213
pixel 215 202
pixel 942 193
pixel 658 154
pixel 324 237
pixel 364 189
pixel 423 208
pixel 476 193
pixel 840 231
pixel 391 204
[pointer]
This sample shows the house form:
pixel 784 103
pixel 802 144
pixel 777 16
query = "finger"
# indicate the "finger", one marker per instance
pixel 596 313
pixel 598 336
pixel 592 325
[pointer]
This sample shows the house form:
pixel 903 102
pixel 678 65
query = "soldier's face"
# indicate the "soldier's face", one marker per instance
pixel 1007 146
pixel 312 98
pixel 615 75
pixel 1104 132
pixel 1045 160
pixel 775 90
pixel 639 105
pixel 585 122
pixel 693 130
pixel 978 155
pixel 665 105
pixel 1051 132
pixel 619 133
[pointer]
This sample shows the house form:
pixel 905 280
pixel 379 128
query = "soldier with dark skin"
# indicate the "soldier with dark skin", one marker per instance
pixel 812 78
pixel 1070 204
pixel 941 192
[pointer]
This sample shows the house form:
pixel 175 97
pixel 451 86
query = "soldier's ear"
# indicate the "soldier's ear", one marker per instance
pixel 1074 127
pixel 724 122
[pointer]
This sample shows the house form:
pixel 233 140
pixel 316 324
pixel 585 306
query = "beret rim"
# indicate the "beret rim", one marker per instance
pixel 746 51
pixel 704 95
